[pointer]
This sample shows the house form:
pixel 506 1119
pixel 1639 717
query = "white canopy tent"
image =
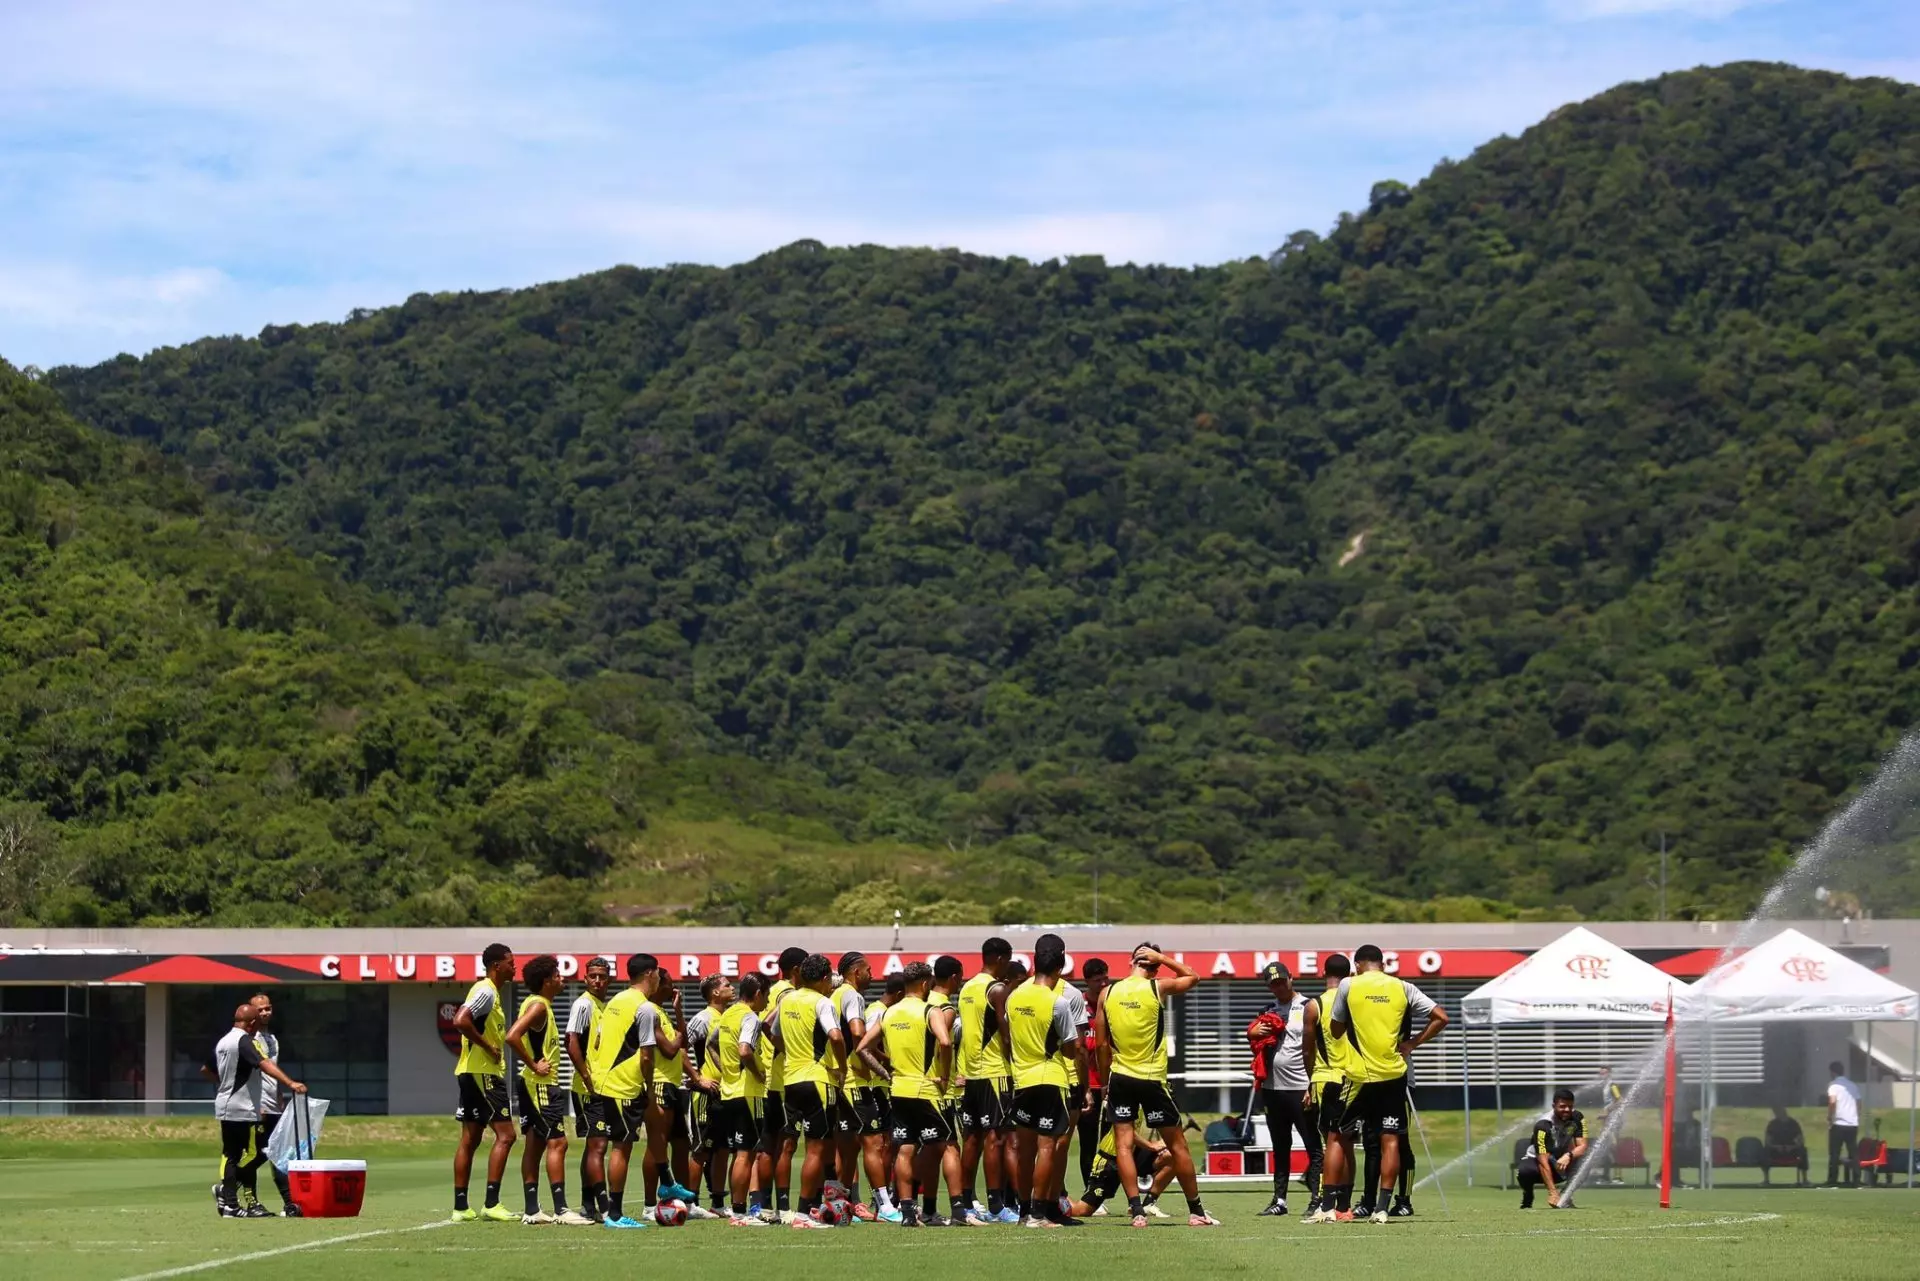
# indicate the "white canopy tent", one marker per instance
pixel 1793 978
pixel 1578 978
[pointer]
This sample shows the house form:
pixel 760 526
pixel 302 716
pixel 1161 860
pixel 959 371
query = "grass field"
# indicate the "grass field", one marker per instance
pixel 85 1210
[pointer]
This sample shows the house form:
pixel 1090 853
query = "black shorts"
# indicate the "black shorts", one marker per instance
pixel 672 1100
pixel 1380 1106
pixel 1132 1100
pixel 1076 1098
pixel 239 1140
pixel 773 1123
pixel 920 1121
pixel 1042 1109
pixel 483 1099
pixel 543 1111
pixel 862 1110
pixel 622 1120
pixel 985 1106
pixel 810 1109
pixel 1332 1108
pixel 589 1118
pixel 737 1124
pixel 1103 1180
pixel 700 1107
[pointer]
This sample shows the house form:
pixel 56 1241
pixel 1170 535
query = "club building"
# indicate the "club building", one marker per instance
pixel 120 1020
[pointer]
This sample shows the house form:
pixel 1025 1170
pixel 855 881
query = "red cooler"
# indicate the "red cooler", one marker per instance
pixel 328 1189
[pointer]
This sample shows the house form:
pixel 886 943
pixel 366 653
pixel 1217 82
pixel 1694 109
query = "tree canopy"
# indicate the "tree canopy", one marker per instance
pixel 1564 499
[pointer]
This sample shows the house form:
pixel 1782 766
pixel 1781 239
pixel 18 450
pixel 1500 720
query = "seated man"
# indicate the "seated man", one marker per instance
pixel 1786 1147
pixel 1103 1182
pixel 1559 1144
pixel 1224 1133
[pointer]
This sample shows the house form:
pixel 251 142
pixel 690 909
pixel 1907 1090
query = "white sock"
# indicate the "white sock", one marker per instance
pixel 886 1199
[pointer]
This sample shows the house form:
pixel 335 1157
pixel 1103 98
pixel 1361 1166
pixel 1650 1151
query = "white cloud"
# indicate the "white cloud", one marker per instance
pixel 166 170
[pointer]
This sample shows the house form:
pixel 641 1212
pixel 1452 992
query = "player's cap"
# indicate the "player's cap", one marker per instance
pixel 1274 972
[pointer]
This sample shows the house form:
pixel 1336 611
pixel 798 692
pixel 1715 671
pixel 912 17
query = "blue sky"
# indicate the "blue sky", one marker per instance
pixel 173 170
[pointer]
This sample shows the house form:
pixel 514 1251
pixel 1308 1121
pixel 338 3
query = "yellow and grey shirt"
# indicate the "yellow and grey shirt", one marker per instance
pixel 806 1021
pixel 483 1002
pixel 1377 1007
pixel 1331 1054
pixel 1039 1023
pixel 667 1071
pixel 956 1074
pixel 548 1046
pixel 776 1071
pixel 848 1005
pixel 981 1054
pixel 581 1020
pixel 625 1028
pixel 1136 1032
pixel 733 1027
pixel 913 1050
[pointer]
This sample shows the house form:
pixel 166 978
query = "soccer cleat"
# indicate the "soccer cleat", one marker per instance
pixel 802 1222
pixel 1343 1216
pixel 1154 1209
pixel 468 1215
pixel 1402 1209
pixel 1364 1210
pixel 572 1219
pixel 291 1211
pixel 538 1219
pixel 1322 1215
pixel 623 1222
pixel 255 1210
pixel 935 1220
pixel 1275 1208
pixel 1099 1212
pixel 1202 1220
pixel 1139 1221
pixel 976 1217
pixel 671 1191
pixel 497 1213
pixel 700 1212
pixel 1379 1216
pixel 1007 1215
pixel 747 1221
pixel 1035 1221
pixel 893 1216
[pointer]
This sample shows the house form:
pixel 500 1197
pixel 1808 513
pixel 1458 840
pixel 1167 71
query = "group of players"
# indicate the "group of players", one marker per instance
pixel 943 1078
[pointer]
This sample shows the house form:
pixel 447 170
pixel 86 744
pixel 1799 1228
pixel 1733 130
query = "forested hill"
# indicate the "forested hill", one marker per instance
pixel 1565 498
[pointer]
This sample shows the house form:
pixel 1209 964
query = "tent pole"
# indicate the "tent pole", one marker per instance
pixel 1499 1108
pixel 1913 1090
pixel 1466 1086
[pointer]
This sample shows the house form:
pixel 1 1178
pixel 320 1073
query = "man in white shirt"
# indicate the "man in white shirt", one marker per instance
pixel 1843 1126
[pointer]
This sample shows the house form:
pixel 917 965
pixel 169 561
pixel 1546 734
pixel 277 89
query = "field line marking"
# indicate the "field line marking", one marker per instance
pixel 277 1251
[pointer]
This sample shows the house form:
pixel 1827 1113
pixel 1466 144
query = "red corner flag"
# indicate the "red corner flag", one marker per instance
pixel 1666 1118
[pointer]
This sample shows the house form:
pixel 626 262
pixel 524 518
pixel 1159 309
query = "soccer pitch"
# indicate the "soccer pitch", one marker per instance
pixel 78 1220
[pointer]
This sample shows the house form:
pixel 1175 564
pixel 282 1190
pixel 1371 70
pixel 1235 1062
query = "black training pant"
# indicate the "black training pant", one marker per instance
pixel 1285 1110
pixel 1370 1140
pixel 1529 1176
pixel 1843 1136
pixel 1092 1129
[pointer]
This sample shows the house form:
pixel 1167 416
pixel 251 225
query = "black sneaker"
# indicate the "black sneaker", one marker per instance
pixel 1402 1209
pixel 1275 1208
pixel 1363 1211
pixel 1527 1204
pixel 255 1210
